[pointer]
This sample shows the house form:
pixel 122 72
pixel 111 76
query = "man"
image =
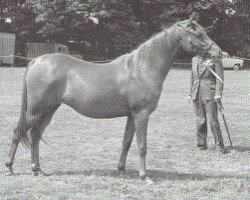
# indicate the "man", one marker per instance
pixel 206 93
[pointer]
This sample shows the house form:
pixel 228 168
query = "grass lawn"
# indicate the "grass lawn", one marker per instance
pixel 83 153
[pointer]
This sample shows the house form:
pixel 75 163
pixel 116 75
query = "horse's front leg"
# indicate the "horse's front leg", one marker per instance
pixel 127 140
pixel 141 124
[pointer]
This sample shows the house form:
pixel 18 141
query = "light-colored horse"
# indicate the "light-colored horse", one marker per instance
pixel 128 86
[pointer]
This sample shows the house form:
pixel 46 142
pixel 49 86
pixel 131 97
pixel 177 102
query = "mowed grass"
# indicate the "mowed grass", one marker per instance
pixel 83 153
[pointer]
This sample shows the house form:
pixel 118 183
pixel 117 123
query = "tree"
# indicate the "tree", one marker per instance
pixel 117 32
pixel 60 19
pixel 233 34
pixel 103 29
pixel 18 18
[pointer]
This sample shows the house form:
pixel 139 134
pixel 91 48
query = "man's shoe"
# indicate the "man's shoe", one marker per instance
pixel 223 150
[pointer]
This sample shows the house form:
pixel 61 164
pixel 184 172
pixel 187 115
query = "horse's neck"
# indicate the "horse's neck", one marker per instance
pixel 156 55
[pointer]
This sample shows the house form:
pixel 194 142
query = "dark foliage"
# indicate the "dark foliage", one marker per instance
pixel 105 29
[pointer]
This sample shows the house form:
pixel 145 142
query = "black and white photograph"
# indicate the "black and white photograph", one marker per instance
pixel 125 99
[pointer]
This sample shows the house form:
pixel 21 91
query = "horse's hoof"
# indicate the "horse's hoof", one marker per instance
pixel 35 173
pixel 10 173
pixel 10 170
pixel 39 173
pixel 122 174
pixel 121 167
pixel 142 175
pixel 149 181
pixel 42 173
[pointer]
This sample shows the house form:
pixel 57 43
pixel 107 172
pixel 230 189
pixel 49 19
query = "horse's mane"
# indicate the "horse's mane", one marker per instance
pixel 164 38
pixel 162 41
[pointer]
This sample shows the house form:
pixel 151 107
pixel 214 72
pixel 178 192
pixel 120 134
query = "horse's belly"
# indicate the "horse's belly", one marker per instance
pixel 99 107
pixel 95 94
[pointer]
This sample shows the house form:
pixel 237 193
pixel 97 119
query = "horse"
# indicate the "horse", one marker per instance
pixel 129 86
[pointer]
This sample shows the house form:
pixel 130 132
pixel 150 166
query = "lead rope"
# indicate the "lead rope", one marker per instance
pixel 217 76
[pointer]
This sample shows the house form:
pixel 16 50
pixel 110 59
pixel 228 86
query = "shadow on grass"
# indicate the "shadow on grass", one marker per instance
pixel 156 175
pixel 235 148
pixel 241 149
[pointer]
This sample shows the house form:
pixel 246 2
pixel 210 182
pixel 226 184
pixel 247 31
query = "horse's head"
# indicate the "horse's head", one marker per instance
pixel 196 41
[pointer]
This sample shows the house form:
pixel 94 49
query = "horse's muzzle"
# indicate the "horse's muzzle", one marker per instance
pixel 216 55
pixel 214 52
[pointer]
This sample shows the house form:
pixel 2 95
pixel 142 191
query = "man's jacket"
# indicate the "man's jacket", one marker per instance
pixel 203 82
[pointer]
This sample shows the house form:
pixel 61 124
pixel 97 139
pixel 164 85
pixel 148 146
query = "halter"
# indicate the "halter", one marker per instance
pixel 204 50
pixel 187 35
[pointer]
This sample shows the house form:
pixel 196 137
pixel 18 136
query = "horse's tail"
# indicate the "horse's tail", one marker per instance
pixel 22 126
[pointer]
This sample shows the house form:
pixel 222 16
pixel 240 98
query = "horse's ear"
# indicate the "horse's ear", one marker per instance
pixel 193 17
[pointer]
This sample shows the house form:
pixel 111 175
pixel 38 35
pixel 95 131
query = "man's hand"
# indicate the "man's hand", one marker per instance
pixel 209 62
pixel 189 98
pixel 217 99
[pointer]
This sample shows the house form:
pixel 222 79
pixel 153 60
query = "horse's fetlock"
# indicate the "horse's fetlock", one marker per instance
pixel 34 167
pixel 9 164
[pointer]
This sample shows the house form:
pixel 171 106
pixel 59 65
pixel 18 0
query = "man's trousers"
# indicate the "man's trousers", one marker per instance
pixel 207 109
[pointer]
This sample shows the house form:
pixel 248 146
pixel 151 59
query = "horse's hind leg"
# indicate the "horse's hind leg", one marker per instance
pixel 36 134
pixel 127 140
pixel 19 132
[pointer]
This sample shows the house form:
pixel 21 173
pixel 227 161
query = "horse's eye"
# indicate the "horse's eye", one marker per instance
pixel 189 39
